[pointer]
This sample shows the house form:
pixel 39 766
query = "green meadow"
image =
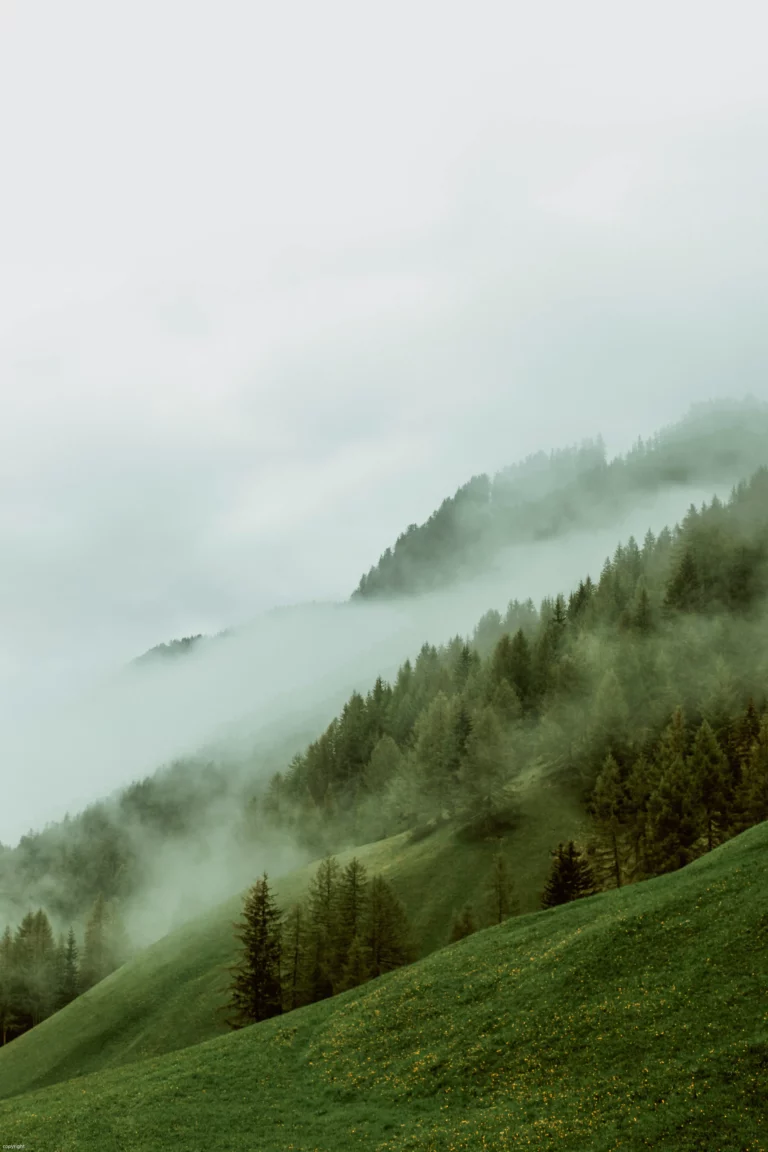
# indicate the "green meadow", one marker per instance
pixel 170 996
pixel 637 1018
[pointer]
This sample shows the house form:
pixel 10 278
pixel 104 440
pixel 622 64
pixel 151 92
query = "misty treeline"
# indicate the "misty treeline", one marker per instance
pixel 588 690
pixel 550 494
pixel 348 930
pixel 39 973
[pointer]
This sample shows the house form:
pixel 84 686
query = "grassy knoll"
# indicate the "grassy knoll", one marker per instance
pixel 636 1019
pixel 170 995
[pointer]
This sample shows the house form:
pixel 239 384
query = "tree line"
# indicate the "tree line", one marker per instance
pixel 40 974
pixel 670 623
pixel 547 493
pixel 347 931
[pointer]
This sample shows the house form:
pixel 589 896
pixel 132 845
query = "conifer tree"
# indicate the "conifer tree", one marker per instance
pixel 356 969
pixel 608 801
pixel 384 764
pixel 570 877
pixel 294 943
pixel 351 902
pixel 464 924
pixel 484 770
pixel 709 769
pixel 501 899
pixel 753 791
pixel 684 591
pixel 98 960
pixel 674 818
pixel 324 928
pixel 69 975
pixel 7 974
pixel 385 932
pixel 256 992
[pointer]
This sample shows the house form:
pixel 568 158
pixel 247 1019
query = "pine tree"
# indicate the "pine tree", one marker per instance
pixel 385 932
pixel 97 960
pixel 570 877
pixel 69 975
pixel 463 925
pixel 356 970
pixel 684 591
pixel 753 791
pixel 256 992
pixel 8 1016
pixel 501 899
pixel 608 801
pixel 483 774
pixel 294 942
pixel 709 770
pixel 351 902
pixel 384 764
pixel 324 929
pixel 674 819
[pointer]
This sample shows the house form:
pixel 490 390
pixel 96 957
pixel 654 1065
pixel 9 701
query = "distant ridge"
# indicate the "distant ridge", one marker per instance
pixel 550 494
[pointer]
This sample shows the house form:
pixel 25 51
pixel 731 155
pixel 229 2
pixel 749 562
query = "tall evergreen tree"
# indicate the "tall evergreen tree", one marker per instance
pixel 255 992
pixel 483 774
pixel 501 898
pixel 570 877
pixel 323 906
pixel 753 790
pixel 385 932
pixel 608 800
pixel 351 902
pixel 8 1017
pixel 294 945
pixel 68 985
pixel 709 769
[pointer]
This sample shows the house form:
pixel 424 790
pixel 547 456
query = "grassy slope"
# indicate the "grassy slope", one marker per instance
pixel 635 1019
pixel 169 996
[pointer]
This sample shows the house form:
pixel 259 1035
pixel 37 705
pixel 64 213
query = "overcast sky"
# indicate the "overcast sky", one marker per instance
pixel 277 278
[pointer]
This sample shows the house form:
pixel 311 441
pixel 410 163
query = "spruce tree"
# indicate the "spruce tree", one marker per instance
pixel 69 973
pixel 709 769
pixel 385 931
pixel 351 902
pixel 8 1016
pixel 295 942
pixel 674 817
pixel 324 929
pixel 753 791
pixel 501 899
pixel 256 992
pixel 570 877
pixel 356 969
pixel 608 800
pixel 484 771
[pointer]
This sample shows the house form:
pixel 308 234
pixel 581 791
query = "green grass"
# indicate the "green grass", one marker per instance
pixel 170 996
pixel 636 1019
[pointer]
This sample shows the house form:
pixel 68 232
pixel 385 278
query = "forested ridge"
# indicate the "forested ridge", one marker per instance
pixel 550 494
pixel 644 690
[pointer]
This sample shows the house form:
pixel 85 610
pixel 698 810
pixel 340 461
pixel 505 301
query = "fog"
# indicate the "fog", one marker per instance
pixel 275 281
pixel 280 678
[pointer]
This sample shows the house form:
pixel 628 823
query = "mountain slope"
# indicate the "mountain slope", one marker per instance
pixel 550 495
pixel 169 996
pixel 637 1018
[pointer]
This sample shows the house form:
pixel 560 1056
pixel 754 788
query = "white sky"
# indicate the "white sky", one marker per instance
pixel 277 278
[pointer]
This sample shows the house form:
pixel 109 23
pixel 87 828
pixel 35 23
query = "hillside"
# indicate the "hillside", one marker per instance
pixel 634 1019
pixel 169 995
pixel 550 495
